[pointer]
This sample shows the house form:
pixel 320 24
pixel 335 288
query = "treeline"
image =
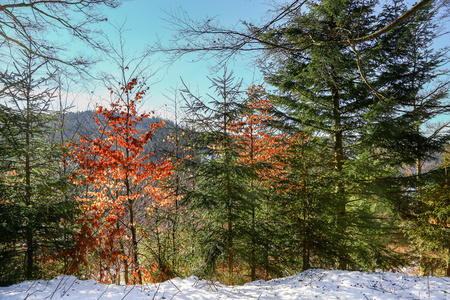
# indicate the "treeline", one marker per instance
pixel 340 166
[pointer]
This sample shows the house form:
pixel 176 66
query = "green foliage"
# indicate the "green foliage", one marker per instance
pixel 304 207
pixel 409 133
pixel 428 222
pixel 324 92
pixel 415 89
pixel 218 193
pixel 35 216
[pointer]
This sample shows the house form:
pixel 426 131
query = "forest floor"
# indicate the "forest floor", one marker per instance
pixel 311 284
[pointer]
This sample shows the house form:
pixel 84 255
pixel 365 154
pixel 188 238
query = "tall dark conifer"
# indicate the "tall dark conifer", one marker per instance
pixel 328 91
pixel 412 129
pixel 415 132
pixel 414 85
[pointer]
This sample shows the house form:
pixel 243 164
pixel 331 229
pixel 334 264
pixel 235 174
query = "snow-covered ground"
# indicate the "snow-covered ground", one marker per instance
pixel 312 284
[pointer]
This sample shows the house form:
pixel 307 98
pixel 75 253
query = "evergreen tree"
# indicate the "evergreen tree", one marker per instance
pixel 417 85
pixel 414 89
pixel 426 217
pixel 326 91
pixel 304 206
pixel 260 148
pixel 219 193
pixel 36 219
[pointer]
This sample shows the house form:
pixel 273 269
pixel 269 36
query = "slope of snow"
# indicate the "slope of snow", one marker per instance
pixel 311 284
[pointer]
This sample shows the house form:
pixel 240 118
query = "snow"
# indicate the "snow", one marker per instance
pixel 311 284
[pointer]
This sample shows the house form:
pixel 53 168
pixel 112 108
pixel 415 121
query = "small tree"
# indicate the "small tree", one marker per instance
pixel 121 183
pixel 219 191
pixel 259 147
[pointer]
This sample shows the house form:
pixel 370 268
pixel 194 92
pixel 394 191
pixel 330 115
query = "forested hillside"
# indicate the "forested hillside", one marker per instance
pixel 338 160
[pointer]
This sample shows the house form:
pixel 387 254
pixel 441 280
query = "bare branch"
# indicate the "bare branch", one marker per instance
pixel 204 37
pixel 25 23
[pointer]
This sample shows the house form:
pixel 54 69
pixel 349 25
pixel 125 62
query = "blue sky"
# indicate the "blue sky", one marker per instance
pixel 145 23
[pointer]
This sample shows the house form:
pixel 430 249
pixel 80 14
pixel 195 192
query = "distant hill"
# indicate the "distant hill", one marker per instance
pixel 82 123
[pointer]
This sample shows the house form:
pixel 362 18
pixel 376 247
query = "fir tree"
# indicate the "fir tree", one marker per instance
pixel 219 193
pixel 327 91
pixel 35 215
pixel 416 85
pixel 415 89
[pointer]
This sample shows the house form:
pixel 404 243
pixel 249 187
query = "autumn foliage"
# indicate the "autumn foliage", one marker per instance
pixel 260 143
pixel 122 184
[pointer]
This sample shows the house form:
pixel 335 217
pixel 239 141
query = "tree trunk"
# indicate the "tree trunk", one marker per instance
pixel 306 249
pixel 230 233
pixel 305 259
pixel 126 277
pixel 175 220
pixel 447 273
pixel 29 253
pixel 28 200
pixel 230 245
pixel 253 250
pixel 339 162
pixel 253 245
pixel 229 251
pixel 134 245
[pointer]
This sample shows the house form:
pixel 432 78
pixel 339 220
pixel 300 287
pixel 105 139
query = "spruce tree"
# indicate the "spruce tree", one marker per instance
pixel 414 85
pixel 261 148
pixel 219 193
pixel 327 90
pixel 416 81
pixel 35 216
